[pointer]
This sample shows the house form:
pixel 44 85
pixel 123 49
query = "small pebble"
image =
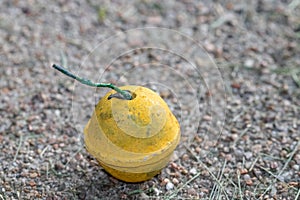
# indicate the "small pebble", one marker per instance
pixel 33 175
pixel 248 165
pixel 193 171
pixel 185 157
pixel 238 153
pixel 243 171
pixel 198 149
pixel 184 171
pixel 207 118
pixel 248 155
pixel 204 190
pixel 165 181
pixel 175 181
pixel 154 20
pixel 174 165
pixel 198 139
pixel 156 191
pixel 31 183
pixel 273 191
pixel 247 177
pixel 169 186
pixel 236 85
pixel 274 165
pixel 209 47
pixel 248 180
pixel 226 149
pixel 249 63
pixel 57 113
pixel 296 167
pixel 62 144
pixel 55 146
pixel 192 192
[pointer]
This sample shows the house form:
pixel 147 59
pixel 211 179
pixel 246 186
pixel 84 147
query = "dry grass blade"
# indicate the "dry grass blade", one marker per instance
pixel 63 59
pixel 215 178
pixel 74 154
pixel 18 149
pixel 294 4
pixel 174 194
pixel 47 171
pixel 283 168
pixel 296 79
pixel 217 189
pixel 269 172
pixel 239 185
pixel 44 150
pixel 210 172
pixel 240 136
pixel 298 194
pixel 253 163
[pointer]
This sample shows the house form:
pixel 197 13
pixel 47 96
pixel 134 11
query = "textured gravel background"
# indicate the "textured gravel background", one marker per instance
pixel 240 121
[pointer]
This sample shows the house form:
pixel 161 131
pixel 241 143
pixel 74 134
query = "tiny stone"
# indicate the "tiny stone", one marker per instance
pixel 193 171
pixel 33 175
pixel 209 47
pixel 243 171
pixel 31 183
pixel 248 155
pixel 248 165
pixel 177 174
pixel 228 157
pixel 247 177
pixel 165 181
pixel 274 165
pixel 174 156
pixel 55 146
pixel 204 190
pixel 294 184
pixel 198 149
pixel 257 173
pixel 207 118
pixel 249 182
pixel 174 165
pixel 175 181
pixel 218 52
pixel 57 113
pixel 192 191
pixel 234 130
pixel 185 157
pixel 61 144
pixel 296 167
pixel 154 20
pixel 236 85
pixel 238 153
pixel 249 63
pixel 165 94
pixel 156 191
pixel 273 191
pixel 226 149
pixel 198 139
pixel 169 186
pixel 184 171
pixel 283 153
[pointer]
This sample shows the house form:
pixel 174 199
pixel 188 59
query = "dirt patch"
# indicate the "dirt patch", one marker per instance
pixel 229 70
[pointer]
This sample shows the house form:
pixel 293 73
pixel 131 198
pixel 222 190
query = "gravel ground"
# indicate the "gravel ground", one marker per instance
pixel 229 70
